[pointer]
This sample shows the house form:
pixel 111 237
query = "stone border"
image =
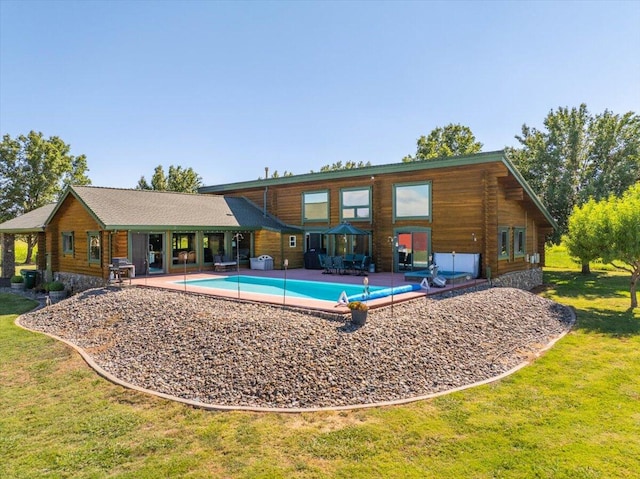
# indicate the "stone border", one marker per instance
pixel 221 407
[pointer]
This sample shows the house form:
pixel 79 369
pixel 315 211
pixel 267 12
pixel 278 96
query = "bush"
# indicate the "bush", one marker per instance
pixel 54 286
pixel 17 279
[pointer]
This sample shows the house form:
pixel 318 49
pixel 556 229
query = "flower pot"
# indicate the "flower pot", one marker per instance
pixel 17 285
pixel 57 295
pixel 358 317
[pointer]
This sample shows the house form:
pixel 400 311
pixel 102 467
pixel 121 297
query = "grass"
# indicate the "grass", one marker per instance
pixel 21 256
pixel 574 413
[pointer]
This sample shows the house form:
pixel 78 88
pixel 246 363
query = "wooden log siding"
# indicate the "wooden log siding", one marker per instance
pixel 72 217
pixel 276 245
pixel 41 257
pixel 472 199
pixel 119 245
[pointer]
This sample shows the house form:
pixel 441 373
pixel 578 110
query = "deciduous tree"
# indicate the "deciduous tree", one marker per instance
pixel 451 140
pixel 349 165
pixel 184 180
pixel 34 171
pixel 578 156
pixel 609 229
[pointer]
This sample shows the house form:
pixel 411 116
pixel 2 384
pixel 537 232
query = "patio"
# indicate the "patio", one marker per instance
pixel 386 279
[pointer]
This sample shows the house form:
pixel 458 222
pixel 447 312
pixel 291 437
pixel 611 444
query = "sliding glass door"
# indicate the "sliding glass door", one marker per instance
pixel 414 246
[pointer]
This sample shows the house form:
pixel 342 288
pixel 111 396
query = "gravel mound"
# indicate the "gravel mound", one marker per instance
pixel 225 352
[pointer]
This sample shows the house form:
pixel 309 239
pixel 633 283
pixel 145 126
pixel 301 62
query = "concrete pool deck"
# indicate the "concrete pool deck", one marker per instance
pixel 387 280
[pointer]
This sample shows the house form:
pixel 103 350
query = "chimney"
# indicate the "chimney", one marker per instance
pixel 266 172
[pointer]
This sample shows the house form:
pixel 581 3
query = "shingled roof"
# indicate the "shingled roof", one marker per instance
pixel 115 208
pixel 29 222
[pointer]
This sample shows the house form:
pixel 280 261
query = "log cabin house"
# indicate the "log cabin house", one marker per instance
pixel 477 205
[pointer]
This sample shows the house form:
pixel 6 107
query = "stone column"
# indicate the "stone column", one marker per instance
pixel 8 255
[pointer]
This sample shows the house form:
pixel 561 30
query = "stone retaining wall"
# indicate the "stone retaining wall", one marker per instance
pixel 75 283
pixel 526 280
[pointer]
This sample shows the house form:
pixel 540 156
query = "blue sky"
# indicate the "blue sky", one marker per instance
pixel 228 88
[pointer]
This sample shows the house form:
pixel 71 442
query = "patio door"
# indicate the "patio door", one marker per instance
pixel 147 253
pixel 413 250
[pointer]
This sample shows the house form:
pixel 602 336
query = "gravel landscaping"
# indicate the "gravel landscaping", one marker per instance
pixel 224 352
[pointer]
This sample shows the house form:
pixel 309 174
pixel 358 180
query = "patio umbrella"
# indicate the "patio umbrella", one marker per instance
pixel 344 229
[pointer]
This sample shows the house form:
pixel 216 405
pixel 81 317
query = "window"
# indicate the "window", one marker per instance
pixel 519 241
pixel 412 201
pixel 94 247
pixel 503 243
pixel 212 245
pixel 241 247
pixel 67 243
pixel 183 243
pixel 315 206
pixel 355 204
pixel 292 241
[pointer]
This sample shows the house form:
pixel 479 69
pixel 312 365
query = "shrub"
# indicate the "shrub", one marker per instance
pixel 17 279
pixel 54 286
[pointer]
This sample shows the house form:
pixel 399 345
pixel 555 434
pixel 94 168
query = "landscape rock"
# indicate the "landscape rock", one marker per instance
pixel 225 352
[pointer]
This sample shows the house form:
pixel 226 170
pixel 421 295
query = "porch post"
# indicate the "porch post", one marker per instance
pixel 8 255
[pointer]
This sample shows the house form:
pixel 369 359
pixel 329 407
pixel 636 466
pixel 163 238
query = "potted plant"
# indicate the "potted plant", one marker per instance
pixel 56 290
pixel 17 282
pixel 358 312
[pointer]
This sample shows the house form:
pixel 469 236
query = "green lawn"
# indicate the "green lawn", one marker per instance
pixel 573 413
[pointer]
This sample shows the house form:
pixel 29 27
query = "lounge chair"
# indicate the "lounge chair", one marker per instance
pixel 220 263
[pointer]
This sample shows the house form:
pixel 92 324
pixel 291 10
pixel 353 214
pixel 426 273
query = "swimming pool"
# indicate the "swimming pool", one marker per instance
pixel 275 286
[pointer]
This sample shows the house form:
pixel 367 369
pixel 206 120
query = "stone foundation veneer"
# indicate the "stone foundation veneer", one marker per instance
pixel 526 280
pixel 75 283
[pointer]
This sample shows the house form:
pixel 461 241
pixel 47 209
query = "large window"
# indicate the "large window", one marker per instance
pixel 94 247
pixel 315 206
pixel 241 246
pixel 412 201
pixel 183 246
pixel 67 243
pixel 355 204
pixel 519 241
pixel 212 245
pixel 504 251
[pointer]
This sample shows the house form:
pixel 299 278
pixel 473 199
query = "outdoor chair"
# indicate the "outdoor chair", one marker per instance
pixel 363 266
pixel 338 264
pixel 328 264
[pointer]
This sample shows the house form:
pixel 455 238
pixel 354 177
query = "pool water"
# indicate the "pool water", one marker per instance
pixel 276 286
